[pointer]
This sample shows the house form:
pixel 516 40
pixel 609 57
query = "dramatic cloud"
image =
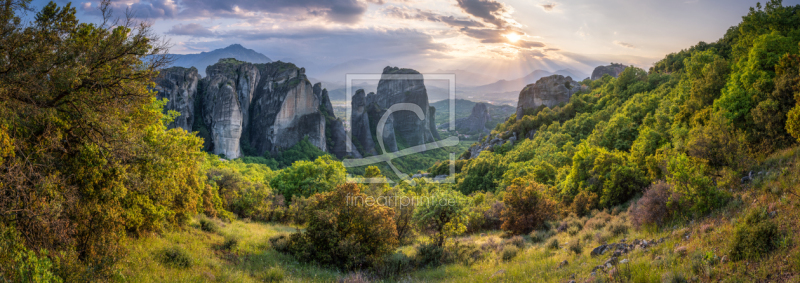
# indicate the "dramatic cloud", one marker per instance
pixel 340 11
pixel 549 7
pixel 417 14
pixel 529 44
pixel 488 10
pixel 623 44
pixel 192 29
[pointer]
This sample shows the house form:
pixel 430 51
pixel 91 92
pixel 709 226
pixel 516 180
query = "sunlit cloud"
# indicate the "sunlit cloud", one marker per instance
pixel 624 44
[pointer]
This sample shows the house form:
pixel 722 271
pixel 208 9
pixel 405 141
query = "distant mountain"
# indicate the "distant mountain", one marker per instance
pixel 520 83
pixel 467 78
pixel 497 113
pixel 205 59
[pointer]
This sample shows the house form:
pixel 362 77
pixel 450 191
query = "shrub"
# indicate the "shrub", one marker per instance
pixel 18 264
pixel 754 236
pixel 393 265
pixel 490 245
pixel 344 231
pixel 429 255
pixel 509 252
pixel 230 243
pixel 653 207
pixel 617 227
pixel 442 215
pixel 306 178
pixel 602 237
pixel 673 277
pixel 209 225
pixel 280 243
pixel 297 210
pixel 274 274
pixel 466 254
pixel 583 203
pixel 539 236
pixel 526 207
pixel 575 247
pixel 572 231
pixel 552 244
pixel 176 257
pixel 586 236
pixel 243 196
pixel 598 221
pixel 689 179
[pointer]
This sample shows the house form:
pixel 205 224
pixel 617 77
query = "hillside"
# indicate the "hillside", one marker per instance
pixel 686 172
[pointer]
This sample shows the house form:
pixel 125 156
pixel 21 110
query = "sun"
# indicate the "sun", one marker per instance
pixel 513 37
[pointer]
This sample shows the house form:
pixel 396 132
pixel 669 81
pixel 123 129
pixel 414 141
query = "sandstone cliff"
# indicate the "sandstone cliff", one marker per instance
pixel 399 85
pixel 252 108
pixel 179 86
pixel 612 70
pixel 359 125
pixel 548 91
pixel 475 122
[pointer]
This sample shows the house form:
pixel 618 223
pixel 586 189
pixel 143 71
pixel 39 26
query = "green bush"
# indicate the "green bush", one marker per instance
pixel 526 207
pixel 345 231
pixel 280 243
pixel 517 241
pixel 209 226
pixel 230 243
pixel 552 244
pixel 176 257
pixel 575 247
pixel 540 236
pixel 754 236
pixel 442 215
pixel 617 227
pixel 274 274
pixel 395 264
pixel 18 264
pixel 429 255
pixel 466 254
pixel 509 252
pixel 306 178
pixel 572 231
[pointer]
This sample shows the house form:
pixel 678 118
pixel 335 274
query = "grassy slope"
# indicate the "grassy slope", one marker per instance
pixel 251 261
pixel 706 247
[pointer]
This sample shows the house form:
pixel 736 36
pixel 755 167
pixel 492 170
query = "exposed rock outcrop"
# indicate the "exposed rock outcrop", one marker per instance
pixel 179 86
pixel 257 108
pixel 548 91
pixel 489 143
pixel 376 112
pixel 475 122
pixel 612 70
pixel 335 132
pixel 359 124
pixel 399 85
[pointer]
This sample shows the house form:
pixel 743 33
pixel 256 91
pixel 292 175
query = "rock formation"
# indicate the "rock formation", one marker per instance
pixel 406 86
pixel 254 108
pixel 396 86
pixel 475 122
pixel 548 91
pixel 359 124
pixel 242 108
pixel 179 86
pixel 612 70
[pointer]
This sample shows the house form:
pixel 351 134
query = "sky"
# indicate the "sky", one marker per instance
pixel 506 39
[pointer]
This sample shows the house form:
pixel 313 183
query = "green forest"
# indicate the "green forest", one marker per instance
pixel 685 172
